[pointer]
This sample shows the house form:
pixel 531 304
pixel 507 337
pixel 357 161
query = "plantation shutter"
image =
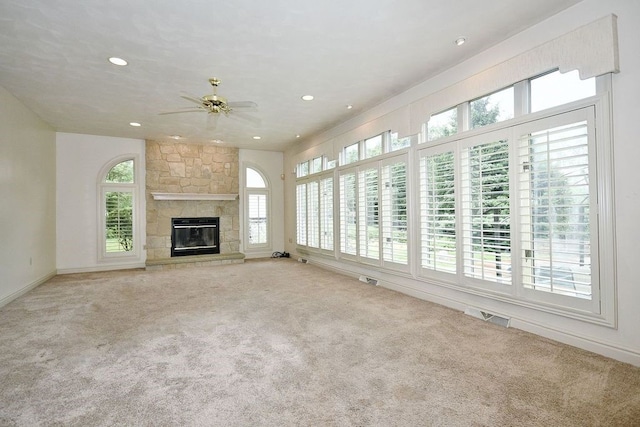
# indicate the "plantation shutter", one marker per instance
pixel 438 212
pixel 313 226
pixel 486 212
pixel 301 214
pixel 368 218
pixel 326 213
pixel 394 213
pixel 118 221
pixel 348 214
pixel 257 219
pixel 555 201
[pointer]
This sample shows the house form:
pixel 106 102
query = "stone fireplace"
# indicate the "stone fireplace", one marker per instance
pixel 188 181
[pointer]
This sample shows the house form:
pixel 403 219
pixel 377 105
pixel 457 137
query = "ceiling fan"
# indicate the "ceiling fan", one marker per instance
pixel 215 104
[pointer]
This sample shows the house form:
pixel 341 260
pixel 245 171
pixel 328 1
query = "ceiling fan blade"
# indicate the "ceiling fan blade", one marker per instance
pixel 190 110
pixel 243 104
pixel 243 116
pixel 192 99
pixel 212 121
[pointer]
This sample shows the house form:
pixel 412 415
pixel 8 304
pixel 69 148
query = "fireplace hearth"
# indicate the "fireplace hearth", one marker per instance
pixel 195 236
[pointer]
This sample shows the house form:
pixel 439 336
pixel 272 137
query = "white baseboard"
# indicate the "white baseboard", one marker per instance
pixel 607 349
pixel 99 268
pixel 590 344
pixel 6 300
pixel 255 255
pixel 594 345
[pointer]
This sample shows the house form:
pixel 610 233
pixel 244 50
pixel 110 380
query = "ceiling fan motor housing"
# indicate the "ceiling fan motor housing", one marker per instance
pixel 215 103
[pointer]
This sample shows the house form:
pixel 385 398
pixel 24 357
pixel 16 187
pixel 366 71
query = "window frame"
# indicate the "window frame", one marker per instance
pixel 256 191
pixel 105 187
pixel 588 114
pixel 382 137
pixel 314 212
pixel 469 107
pixel 344 158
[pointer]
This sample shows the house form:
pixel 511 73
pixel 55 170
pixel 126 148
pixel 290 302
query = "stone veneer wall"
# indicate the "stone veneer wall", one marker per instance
pixel 175 167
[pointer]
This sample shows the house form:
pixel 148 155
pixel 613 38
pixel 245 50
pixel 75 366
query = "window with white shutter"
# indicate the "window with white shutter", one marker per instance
pixel 486 212
pixel 368 213
pixel 313 226
pixel 326 213
pixel 118 200
pixel 394 212
pixel 301 214
pixel 257 219
pixel 348 214
pixel 256 210
pixel 438 211
pixel 557 199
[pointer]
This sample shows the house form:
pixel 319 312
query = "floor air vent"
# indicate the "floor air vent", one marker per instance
pixel 487 317
pixel 368 280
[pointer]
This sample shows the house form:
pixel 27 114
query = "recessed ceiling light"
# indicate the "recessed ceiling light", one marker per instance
pixel 460 41
pixel 217 141
pixel 256 137
pixel 349 107
pixel 307 97
pixel 175 136
pixel 135 124
pixel 297 135
pixel 117 61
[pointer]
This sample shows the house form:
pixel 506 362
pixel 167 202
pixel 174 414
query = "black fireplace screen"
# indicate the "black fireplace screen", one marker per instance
pixel 195 236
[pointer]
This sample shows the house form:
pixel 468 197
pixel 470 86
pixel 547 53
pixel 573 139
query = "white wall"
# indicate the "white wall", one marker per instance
pixel 270 163
pixel 27 191
pixel 80 159
pixel 623 342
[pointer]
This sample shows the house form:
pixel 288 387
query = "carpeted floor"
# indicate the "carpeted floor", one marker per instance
pixel 279 343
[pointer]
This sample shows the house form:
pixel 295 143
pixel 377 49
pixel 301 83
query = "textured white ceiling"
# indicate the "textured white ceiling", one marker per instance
pixel 53 57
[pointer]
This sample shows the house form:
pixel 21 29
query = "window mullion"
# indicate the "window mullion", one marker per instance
pixel 521 95
pixel 464 120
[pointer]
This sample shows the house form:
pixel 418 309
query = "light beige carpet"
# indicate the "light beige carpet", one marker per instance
pixel 279 343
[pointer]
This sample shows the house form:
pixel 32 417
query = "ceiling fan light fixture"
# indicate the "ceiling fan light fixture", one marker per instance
pixel 118 61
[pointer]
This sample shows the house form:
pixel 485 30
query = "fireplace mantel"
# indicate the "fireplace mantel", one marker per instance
pixel 193 196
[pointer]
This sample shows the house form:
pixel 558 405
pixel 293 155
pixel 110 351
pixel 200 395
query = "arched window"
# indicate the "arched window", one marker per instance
pixel 257 207
pixel 118 194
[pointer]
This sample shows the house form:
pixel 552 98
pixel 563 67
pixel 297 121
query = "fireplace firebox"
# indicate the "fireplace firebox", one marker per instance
pixel 195 236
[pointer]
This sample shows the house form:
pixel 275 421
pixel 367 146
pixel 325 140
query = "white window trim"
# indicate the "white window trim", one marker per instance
pixel 104 187
pixel 261 247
